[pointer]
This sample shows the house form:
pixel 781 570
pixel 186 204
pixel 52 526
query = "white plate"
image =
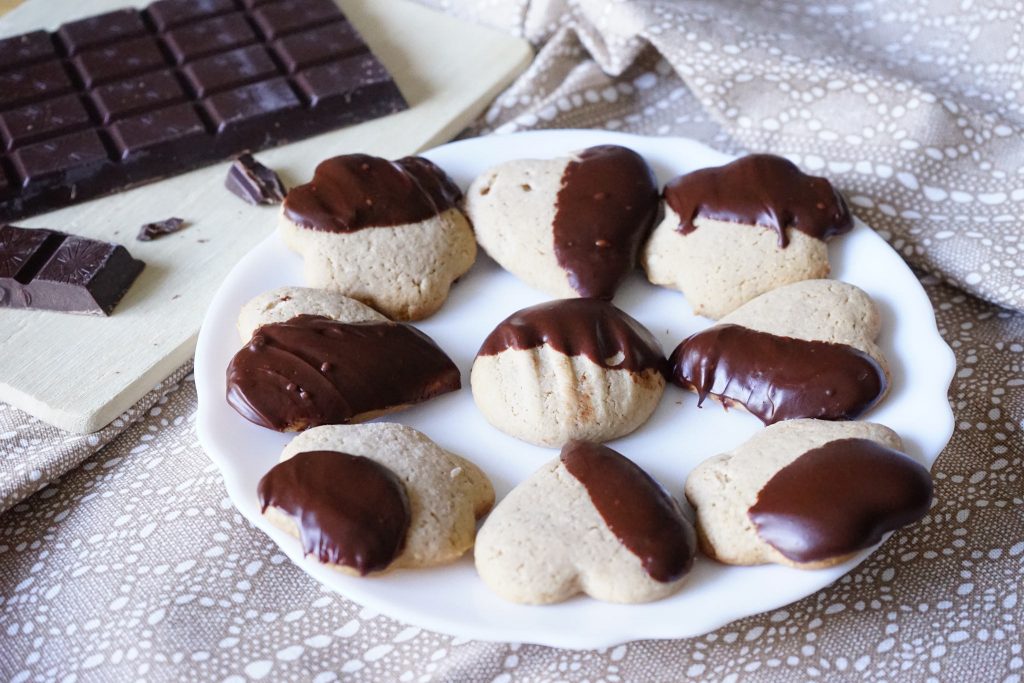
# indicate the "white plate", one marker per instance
pixel 679 436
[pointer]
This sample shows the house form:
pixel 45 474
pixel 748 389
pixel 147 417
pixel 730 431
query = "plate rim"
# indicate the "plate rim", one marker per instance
pixel 526 633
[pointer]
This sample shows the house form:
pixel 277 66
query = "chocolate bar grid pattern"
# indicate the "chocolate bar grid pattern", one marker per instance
pixel 131 96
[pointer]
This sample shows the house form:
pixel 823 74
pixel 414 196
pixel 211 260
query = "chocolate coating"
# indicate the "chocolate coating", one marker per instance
pixel 604 212
pixel 840 498
pixel 778 378
pixel 349 509
pixel 357 191
pixel 636 509
pixel 312 371
pixel 760 189
pixel 579 327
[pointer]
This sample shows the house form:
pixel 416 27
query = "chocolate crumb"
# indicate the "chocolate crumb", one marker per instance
pixel 253 182
pixel 151 231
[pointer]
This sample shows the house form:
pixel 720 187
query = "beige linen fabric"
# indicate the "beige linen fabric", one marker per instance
pixel 135 566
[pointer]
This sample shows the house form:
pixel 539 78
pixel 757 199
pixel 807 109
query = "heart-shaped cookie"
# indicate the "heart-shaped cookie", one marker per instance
pixel 804 350
pixel 736 231
pixel 568 369
pixel 590 521
pixel 375 497
pixel 316 358
pixel 807 494
pixel 571 226
pixel 389 234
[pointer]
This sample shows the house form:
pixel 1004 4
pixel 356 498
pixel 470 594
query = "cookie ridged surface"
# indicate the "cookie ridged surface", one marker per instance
pixel 446 493
pixel 589 521
pixel 569 369
pixel 806 493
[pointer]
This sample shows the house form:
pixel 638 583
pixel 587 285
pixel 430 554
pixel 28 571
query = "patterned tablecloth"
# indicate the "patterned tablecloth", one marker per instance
pixel 121 557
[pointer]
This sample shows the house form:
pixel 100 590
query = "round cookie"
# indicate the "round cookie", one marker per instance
pixel 568 369
pixel 804 350
pixel 356 503
pixel 565 531
pixel 734 232
pixel 389 234
pixel 570 226
pixel 284 303
pixel 806 494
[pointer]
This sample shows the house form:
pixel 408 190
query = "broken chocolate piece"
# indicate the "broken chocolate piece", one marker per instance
pixel 150 231
pixel 50 270
pixel 254 182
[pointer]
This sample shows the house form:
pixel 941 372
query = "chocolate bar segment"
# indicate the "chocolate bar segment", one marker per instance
pixel 167 14
pixel 33 122
pixel 118 61
pixel 33 83
pixel 101 29
pixel 207 37
pixel 46 269
pixel 30 47
pixel 127 97
pixel 137 94
pixel 229 69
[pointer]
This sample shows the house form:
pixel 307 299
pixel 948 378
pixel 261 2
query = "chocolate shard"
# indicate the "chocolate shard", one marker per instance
pixel 134 96
pixel 151 231
pixel 254 182
pixel 50 270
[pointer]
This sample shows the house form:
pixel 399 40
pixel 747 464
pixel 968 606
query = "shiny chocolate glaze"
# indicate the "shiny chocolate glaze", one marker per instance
pixel 637 510
pixel 313 371
pixel 840 498
pixel 760 189
pixel 357 191
pixel 778 378
pixel 588 327
pixel 604 212
pixel 349 509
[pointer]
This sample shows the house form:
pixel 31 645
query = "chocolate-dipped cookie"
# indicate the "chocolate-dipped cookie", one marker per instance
pixel 316 358
pixel 590 521
pixel 807 494
pixel 388 233
pixel 568 369
pixel 571 226
pixel 370 498
pixel 804 350
pixel 733 232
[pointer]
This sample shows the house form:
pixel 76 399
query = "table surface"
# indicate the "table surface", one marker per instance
pixel 8 5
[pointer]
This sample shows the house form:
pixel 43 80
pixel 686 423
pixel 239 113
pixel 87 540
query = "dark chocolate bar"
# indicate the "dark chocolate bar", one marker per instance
pixel 50 270
pixel 131 96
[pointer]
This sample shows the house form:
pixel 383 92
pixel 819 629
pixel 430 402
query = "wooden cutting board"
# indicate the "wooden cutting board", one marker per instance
pixel 79 372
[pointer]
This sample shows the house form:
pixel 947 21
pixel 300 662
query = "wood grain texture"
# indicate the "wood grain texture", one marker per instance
pixel 78 372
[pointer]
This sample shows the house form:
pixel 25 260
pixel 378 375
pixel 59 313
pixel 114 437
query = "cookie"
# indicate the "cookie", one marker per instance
pixel 571 226
pixel 737 231
pixel 389 234
pixel 371 498
pixel 804 350
pixel 589 521
pixel 807 494
pixel 340 364
pixel 284 303
pixel 568 369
